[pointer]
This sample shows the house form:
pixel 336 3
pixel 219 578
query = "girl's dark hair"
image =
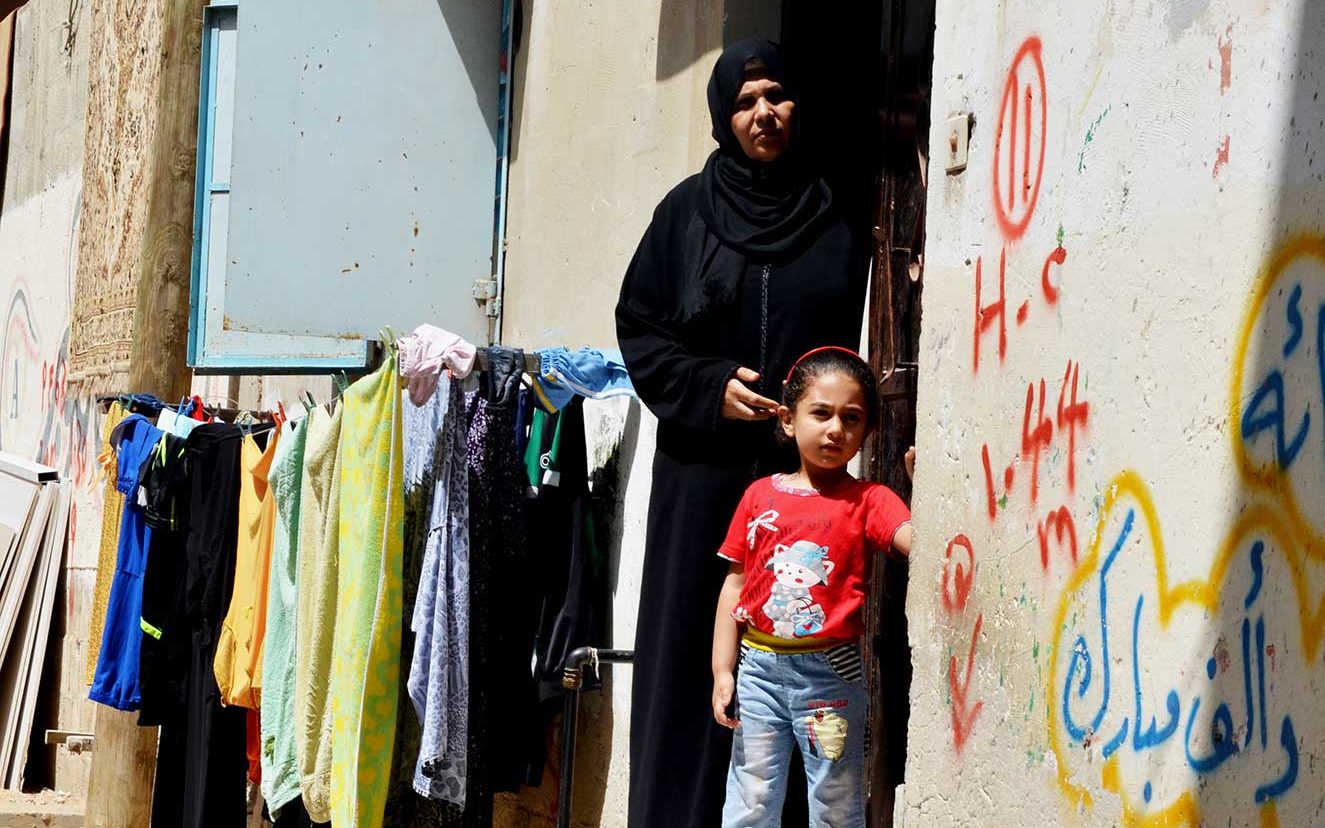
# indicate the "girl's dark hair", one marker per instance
pixel 833 361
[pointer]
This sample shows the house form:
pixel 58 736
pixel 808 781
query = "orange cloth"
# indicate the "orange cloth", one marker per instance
pixel 238 664
pixel 253 746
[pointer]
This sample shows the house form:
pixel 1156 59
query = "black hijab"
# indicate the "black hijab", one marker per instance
pixel 760 210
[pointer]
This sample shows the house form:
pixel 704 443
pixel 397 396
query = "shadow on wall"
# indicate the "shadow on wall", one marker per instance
pixel 687 32
pixel 1233 731
pixel 613 436
pixel 597 722
pixel 682 38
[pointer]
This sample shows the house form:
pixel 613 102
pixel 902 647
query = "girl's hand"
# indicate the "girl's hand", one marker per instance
pixel 740 403
pixel 724 686
pixel 910 462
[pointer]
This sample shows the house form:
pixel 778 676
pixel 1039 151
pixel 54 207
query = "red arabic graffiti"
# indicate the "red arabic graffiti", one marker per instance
pixel 1019 136
pixel 1071 417
pixel 992 316
pixel 1057 256
pixel 1037 437
pixel 987 315
pixel 1057 526
pixel 958 580
pixel 958 575
pixel 1035 441
pixel 964 712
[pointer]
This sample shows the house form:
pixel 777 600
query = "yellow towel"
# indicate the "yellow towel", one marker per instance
pixel 319 545
pixel 366 672
pixel 238 662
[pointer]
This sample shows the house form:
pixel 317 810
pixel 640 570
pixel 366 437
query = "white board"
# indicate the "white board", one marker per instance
pixel 20 687
pixel 16 499
pixel 13 590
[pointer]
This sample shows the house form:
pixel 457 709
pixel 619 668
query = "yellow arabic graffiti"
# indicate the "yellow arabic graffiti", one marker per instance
pixel 1269 477
pixel 1128 486
pixel 1281 519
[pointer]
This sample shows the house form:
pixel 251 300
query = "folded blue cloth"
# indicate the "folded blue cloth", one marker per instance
pixel 588 372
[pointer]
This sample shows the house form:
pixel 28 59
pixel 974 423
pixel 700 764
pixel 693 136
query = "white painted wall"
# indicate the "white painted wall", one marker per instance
pixel 41 417
pixel 1056 682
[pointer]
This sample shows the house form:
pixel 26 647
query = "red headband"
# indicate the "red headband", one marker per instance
pixel 821 350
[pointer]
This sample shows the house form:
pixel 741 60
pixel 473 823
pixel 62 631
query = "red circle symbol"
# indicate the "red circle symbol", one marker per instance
pixel 958 574
pixel 1019 141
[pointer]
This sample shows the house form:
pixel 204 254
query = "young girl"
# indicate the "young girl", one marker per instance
pixel 791 609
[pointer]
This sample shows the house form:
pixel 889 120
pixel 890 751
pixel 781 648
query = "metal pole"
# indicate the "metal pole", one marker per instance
pixel 572 679
pixel 569 716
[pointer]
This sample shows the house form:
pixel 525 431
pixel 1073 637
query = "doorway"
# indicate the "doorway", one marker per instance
pixel 867 72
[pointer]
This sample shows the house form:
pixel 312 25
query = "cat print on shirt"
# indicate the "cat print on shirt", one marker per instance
pixel 790 606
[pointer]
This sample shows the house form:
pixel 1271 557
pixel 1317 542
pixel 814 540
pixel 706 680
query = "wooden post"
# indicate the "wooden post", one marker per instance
pixel 124 756
pixel 157 361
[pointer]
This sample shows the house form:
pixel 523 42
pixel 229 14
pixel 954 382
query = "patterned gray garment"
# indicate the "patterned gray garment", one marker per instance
pixel 438 683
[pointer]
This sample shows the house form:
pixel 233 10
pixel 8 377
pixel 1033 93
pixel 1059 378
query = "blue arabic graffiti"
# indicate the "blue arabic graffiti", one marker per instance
pixel 1266 409
pixel 1081 654
pixel 1210 738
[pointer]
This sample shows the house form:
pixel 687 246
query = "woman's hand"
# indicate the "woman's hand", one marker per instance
pixel 724 685
pixel 910 462
pixel 740 403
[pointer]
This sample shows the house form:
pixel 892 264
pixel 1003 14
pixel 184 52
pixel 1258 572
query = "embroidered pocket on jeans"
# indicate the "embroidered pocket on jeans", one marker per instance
pixel 845 662
pixel 827 734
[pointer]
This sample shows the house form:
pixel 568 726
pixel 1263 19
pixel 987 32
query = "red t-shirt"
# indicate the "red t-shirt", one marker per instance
pixel 805 555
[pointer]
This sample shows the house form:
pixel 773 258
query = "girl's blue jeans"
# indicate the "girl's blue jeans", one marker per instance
pixel 816 701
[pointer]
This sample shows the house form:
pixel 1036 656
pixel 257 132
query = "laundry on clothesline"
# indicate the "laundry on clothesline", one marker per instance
pixel 425 353
pixel 588 372
pixel 251 559
pixel 557 375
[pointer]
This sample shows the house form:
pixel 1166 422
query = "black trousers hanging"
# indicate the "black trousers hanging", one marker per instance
pixel 201 765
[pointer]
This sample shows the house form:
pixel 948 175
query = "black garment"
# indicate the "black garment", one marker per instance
pixel 567 576
pixel 165 484
pixel 501 642
pixel 683 338
pixel 504 741
pixel 201 765
pixel 161 478
pixel 500 383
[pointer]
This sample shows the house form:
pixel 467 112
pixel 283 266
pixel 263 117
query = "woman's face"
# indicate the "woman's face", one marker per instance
pixel 762 119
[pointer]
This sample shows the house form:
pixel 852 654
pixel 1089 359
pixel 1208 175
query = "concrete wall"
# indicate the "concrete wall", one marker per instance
pixel 41 416
pixel 609 114
pixel 1116 604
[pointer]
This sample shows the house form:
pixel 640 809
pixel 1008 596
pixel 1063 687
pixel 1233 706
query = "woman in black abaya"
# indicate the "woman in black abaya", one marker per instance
pixel 745 267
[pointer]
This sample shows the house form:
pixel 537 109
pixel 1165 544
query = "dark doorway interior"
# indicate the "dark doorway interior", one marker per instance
pixel 867 70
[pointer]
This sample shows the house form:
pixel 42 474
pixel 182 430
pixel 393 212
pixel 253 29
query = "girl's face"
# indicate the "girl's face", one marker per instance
pixel 829 422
